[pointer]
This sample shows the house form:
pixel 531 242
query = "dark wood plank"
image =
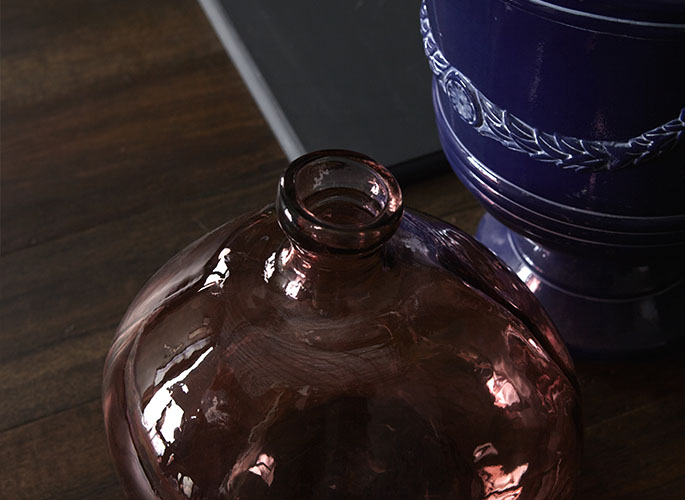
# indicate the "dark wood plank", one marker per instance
pixel 60 457
pixel 118 99
pixel 59 318
pixel 55 50
pixel 617 387
pixel 637 455
pixel 151 154
pixel 82 282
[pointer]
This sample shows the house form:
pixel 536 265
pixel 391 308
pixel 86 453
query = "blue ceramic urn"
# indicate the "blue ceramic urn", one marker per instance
pixel 565 118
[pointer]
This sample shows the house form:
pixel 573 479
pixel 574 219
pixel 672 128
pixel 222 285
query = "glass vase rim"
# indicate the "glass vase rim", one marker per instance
pixel 314 233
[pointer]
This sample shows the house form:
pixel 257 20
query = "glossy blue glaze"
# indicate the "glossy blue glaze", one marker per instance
pixel 574 82
pixel 567 122
pixel 599 304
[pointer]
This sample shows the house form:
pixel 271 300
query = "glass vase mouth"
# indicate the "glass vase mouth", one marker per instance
pixel 338 201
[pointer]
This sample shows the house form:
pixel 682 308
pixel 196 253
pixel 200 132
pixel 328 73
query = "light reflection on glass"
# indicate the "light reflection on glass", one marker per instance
pixel 186 485
pixel 269 267
pixel 375 188
pixel 320 177
pixel 502 390
pixel 500 485
pixel 172 418
pixel 286 255
pixel 160 373
pixel 524 273
pixel 292 289
pixel 220 272
pixel 264 468
pixel 533 283
pixel 537 347
pixel 514 332
pixel 484 450
pixel 161 415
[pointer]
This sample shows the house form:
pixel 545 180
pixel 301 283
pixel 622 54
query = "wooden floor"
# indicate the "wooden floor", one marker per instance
pixel 126 134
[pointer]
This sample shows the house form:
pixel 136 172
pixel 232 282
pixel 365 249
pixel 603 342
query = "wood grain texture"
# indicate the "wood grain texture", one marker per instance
pixel 126 134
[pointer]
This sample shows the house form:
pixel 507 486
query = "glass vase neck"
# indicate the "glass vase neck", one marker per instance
pixel 338 202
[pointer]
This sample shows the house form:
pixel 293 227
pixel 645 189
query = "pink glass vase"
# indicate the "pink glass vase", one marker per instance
pixel 336 346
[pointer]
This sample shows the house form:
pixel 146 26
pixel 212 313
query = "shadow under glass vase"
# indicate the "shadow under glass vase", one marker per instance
pixel 335 345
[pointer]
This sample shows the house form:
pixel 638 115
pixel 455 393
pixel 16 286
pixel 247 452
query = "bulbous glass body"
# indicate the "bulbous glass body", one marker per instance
pixel 335 346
